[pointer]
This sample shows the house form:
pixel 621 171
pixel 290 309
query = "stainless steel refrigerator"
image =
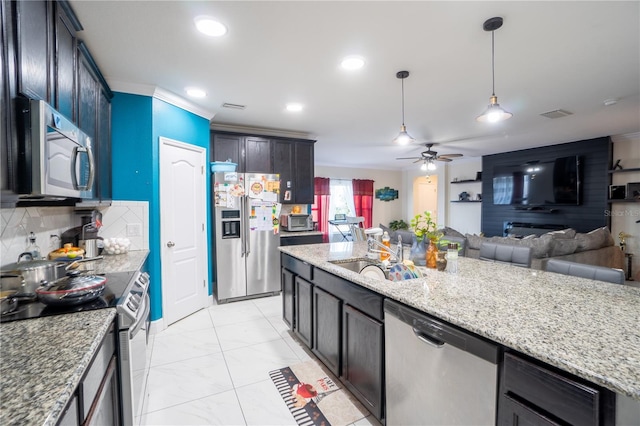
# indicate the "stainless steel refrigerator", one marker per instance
pixel 246 206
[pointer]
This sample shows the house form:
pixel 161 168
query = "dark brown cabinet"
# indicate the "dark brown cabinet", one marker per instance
pixel 94 118
pixel 534 393
pixel 304 310
pixel 65 60
pixel 227 147
pixel 342 324
pixel 257 158
pixel 292 159
pixel 34 47
pixel 288 297
pixel 363 358
pixel 327 329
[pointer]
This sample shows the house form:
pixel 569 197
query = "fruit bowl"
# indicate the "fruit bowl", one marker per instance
pixel 116 245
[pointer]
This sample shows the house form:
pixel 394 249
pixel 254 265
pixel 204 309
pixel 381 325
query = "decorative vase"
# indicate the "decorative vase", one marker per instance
pixel 418 252
pixel 432 255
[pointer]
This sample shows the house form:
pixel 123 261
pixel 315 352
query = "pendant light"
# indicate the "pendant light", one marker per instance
pixel 403 137
pixel 494 111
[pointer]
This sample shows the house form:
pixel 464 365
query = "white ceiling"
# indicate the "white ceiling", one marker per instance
pixel 549 55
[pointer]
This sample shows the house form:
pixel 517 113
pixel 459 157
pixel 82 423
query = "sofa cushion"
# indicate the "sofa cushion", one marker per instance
pixel 540 247
pixel 598 238
pixel 407 235
pixel 450 232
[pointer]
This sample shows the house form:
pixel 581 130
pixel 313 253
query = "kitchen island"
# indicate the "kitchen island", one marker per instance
pixel 584 327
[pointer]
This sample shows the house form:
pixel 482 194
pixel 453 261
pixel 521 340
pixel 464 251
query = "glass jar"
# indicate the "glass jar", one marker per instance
pixel 432 255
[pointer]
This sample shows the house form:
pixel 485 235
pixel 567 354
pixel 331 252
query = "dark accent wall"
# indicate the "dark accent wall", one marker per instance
pixel 590 214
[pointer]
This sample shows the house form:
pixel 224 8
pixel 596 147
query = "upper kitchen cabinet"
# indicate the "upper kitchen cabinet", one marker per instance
pixel 252 154
pixel 65 59
pixel 46 49
pixel 34 48
pixel 257 157
pixel 227 147
pixel 293 160
pixel 94 118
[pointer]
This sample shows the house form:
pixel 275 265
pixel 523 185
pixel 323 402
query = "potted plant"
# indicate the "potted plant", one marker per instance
pixel 394 225
pixel 425 229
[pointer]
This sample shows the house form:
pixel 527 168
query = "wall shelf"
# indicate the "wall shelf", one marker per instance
pixel 469 201
pixel 470 180
pixel 623 200
pixel 635 169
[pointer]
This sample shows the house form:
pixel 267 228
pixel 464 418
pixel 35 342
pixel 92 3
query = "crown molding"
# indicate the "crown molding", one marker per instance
pixel 626 137
pixel 161 94
pixel 262 131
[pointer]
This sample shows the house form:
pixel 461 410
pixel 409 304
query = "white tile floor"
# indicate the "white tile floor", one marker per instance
pixel 212 367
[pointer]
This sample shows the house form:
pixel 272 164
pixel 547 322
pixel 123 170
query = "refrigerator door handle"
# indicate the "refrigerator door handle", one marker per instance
pixel 247 236
pixel 242 226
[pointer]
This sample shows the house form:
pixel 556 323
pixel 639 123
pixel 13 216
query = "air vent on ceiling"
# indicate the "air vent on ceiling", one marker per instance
pixel 558 113
pixel 233 106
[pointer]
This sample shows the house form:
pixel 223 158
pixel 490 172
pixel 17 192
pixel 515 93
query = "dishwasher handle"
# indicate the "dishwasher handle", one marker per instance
pixel 438 344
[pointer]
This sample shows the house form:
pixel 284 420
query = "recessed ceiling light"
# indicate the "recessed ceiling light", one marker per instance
pixel 294 107
pixel 352 63
pixel 209 26
pixel 194 92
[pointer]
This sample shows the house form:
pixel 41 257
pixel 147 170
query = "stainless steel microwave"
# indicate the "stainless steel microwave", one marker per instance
pixel 297 222
pixel 55 159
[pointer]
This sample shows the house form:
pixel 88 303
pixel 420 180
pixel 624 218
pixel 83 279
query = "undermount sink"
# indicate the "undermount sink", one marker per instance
pixel 356 265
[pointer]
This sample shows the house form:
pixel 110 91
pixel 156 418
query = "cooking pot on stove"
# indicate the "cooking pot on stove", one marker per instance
pixel 34 271
pixel 73 289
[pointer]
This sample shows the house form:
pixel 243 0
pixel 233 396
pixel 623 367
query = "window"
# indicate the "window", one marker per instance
pixel 341 198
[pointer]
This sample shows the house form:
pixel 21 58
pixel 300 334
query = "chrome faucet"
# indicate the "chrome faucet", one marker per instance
pixel 397 254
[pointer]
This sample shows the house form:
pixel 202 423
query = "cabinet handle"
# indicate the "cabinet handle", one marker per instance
pixel 171 244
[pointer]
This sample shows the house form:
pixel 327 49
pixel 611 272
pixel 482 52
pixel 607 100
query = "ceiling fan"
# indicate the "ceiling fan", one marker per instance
pixel 430 155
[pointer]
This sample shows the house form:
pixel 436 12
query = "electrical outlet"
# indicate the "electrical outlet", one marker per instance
pixel 134 229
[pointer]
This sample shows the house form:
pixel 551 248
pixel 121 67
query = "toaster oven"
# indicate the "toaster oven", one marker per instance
pixel 296 222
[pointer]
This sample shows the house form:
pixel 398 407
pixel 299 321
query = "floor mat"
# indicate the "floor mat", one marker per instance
pixel 315 397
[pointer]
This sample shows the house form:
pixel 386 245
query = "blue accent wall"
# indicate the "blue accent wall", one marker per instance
pixel 138 122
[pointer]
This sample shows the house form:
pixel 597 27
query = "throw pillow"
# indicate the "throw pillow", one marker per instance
pixel 563 246
pixel 598 238
pixel 474 241
pixel 450 232
pixel 563 233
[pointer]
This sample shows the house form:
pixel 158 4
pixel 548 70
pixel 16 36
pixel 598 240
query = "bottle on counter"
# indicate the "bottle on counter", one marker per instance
pixel 452 258
pixel 32 247
pixel 386 240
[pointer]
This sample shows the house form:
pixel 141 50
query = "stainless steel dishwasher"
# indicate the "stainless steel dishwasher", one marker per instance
pixel 437 374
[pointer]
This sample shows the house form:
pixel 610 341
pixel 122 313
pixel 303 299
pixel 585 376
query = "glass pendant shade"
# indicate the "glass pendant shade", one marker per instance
pixel 494 112
pixel 431 165
pixel 403 137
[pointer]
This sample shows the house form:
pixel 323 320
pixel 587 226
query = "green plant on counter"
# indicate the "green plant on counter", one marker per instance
pixel 394 225
pixel 424 226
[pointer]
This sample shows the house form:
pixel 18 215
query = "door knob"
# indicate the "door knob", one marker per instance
pixel 171 244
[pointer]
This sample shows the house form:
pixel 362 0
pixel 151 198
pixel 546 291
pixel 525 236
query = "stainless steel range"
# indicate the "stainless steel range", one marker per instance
pixel 133 338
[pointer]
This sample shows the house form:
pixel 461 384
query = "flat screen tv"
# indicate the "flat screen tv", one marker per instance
pixel 538 183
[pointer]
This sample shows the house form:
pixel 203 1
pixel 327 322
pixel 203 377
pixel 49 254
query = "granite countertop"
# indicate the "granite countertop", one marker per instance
pixel 43 361
pixel 131 261
pixel 588 328
pixel 298 233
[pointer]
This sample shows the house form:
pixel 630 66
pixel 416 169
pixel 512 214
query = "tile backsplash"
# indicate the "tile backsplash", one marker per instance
pixel 128 219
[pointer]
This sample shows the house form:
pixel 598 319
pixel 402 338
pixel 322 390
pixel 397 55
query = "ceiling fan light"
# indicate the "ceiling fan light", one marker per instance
pixel 431 165
pixel 403 137
pixel 424 166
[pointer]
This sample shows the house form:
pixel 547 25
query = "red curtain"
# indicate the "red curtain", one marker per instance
pixel 320 208
pixel 363 200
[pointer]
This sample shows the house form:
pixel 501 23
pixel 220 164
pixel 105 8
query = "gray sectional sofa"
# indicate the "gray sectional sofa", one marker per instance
pixel 593 248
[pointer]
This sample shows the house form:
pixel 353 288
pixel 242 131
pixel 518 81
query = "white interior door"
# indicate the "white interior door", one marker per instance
pixel 183 229
pixel 425 196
